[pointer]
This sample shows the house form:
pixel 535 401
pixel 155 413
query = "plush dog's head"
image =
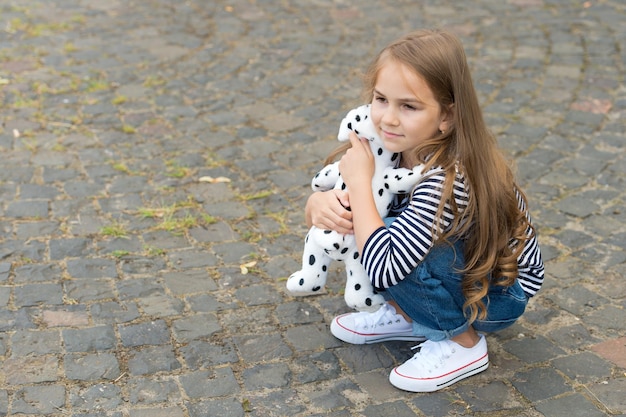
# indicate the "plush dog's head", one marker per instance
pixel 359 121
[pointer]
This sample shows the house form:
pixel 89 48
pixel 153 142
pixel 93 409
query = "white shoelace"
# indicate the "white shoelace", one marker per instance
pixel 383 316
pixel 433 354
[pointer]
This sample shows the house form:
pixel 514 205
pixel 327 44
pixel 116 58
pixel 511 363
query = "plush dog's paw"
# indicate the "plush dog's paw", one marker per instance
pixel 369 302
pixel 302 284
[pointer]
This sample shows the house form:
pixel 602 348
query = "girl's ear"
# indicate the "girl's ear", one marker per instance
pixel 447 118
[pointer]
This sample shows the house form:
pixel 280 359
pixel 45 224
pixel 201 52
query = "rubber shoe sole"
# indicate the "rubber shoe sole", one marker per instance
pixel 359 338
pixel 407 383
pixel 415 378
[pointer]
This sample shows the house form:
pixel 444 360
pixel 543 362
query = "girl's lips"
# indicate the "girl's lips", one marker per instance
pixel 390 135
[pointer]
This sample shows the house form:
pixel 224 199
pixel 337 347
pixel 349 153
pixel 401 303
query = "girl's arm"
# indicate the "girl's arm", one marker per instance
pixel 329 210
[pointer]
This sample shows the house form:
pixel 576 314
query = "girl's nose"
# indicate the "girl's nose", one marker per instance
pixel 389 117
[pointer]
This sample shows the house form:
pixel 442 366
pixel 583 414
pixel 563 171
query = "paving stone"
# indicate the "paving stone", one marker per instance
pixel 37 273
pixel 541 350
pixel 439 404
pixel 318 366
pixel 111 311
pixel 195 327
pixel 85 291
pixel 163 239
pixel 186 282
pixel 396 408
pixel 297 313
pixel 337 413
pixel 39 400
pixel 139 288
pixel 28 342
pixel 4 402
pixel 120 246
pixel 257 295
pixel 540 383
pixel 5 294
pixel 540 316
pixel 226 211
pixel 577 300
pixel 92 268
pixel 140 334
pixel 36 229
pixel 282 402
pixel 97 397
pixel 234 252
pixel 52 174
pixel 229 407
pixel 267 376
pixel 91 367
pixel 575 238
pixel 204 303
pixel 24 318
pixel 32 251
pixel 364 358
pixel 31 369
pixel 609 393
pixel 257 348
pixel 334 395
pixel 137 265
pixel 216 232
pixel 65 317
pixel 3 344
pixel 230 277
pixel 585 367
pixel 238 322
pixel 161 305
pixel 35 191
pixel 370 383
pixel 200 354
pixel 191 259
pixel 572 337
pixel 38 294
pixel 5 269
pixel 122 203
pixel 28 209
pixel 171 411
pixel 151 360
pixel 207 384
pixel 491 397
pixel 571 405
pixel 151 391
pixel 90 339
pixel 613 350
pixel 609 317
pixel 309 337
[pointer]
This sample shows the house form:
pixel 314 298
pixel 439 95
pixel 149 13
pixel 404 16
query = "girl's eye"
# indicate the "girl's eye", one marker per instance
pixel 410 107
pixel 380 99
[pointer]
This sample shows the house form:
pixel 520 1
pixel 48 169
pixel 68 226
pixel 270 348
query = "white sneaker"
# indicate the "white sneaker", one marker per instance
pixel 382 325
pixel 440 364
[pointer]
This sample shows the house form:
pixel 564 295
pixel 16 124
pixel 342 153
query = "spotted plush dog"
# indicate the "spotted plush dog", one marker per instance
pixel 323 246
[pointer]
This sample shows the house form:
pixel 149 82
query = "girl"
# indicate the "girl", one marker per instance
pixel 459 255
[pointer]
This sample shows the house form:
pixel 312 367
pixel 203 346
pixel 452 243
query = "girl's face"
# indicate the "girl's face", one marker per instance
pixel 404 109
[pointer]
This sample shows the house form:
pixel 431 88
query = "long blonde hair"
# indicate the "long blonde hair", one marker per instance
pixel 493 226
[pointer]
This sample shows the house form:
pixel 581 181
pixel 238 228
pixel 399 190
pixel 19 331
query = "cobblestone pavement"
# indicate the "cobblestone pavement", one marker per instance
pixel 156 160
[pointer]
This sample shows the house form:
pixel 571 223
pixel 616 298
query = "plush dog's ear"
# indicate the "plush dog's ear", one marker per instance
pixel 357 120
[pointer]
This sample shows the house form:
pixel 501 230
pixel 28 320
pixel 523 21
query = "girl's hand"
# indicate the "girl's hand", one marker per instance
pixel 329 210
pixel 357 165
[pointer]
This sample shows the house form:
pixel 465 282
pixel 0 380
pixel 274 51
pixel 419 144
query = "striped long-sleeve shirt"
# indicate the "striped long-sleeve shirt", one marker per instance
pixel 390 254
